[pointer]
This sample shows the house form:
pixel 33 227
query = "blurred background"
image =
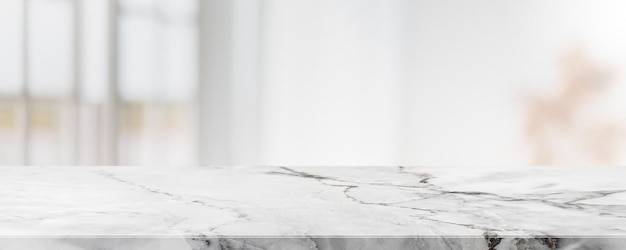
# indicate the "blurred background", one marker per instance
pixel 312 82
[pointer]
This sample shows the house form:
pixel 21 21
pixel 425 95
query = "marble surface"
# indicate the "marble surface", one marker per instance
pixel 312 207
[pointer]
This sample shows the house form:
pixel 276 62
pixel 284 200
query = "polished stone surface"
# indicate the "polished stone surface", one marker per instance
pixel 312 207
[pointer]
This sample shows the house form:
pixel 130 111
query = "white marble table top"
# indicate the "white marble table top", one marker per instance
pixel 313 201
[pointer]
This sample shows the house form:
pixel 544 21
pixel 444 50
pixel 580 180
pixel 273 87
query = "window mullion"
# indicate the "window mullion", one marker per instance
pixel 112 110
pixel 25 96
pixel 77 77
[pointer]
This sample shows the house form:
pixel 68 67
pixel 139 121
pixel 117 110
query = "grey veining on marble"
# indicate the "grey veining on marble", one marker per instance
pixel 312 207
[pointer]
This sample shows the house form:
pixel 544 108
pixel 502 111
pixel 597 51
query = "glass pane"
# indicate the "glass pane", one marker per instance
pixel 180 133
pixel 138 57
pixel 137 5
pixel 10 136
pixel 95 50
pixel 10 46
pixel 51 133
pixel 50 47
pixel 180 63
pixel 179 8
pixel 91 134
pixel 157 134
pixel 135 134
pixel 157 82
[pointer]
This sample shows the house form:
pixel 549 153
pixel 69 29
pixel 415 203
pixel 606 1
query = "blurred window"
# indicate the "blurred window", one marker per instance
pixel 11 62
pixel 56 82
pixel 157 55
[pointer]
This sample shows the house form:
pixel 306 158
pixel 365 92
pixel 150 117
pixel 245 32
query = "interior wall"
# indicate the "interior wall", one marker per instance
pixel 332 71
pixel 393 82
